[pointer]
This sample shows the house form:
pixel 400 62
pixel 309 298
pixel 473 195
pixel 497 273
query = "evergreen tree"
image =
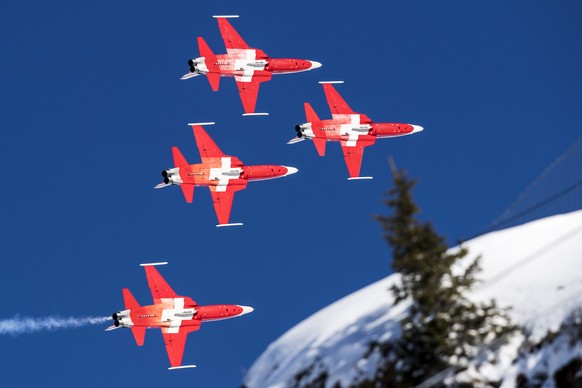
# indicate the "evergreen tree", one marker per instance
pixel 443 328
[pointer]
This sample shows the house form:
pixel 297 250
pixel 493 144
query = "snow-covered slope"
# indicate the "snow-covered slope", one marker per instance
pixel 534 268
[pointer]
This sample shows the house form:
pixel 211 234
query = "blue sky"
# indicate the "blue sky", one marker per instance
pixel 92 103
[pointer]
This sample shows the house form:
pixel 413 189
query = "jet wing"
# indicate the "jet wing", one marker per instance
pixel 249 89
pixel 158 285
pixel 207 147
pixel 336 103
pixel 222 197
pixel 353 155
pixel 175 343
pixel 232 40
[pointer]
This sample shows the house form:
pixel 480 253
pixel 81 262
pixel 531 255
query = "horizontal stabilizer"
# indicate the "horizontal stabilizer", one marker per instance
pixel 319 145
pixel 233 224
pixel 129 300
pixel 189 75
pixel 214 80
pixel 225 16
pixel 331 82
pixel 296 140
pixel 132 304
pixel 182 164
pixel 158 263
pixel 256 114
pixel 188 191
pixel 138 334
pixel 310 114
pixel 162 185
pixel 112 327
pixel 360 178
pixel 179 160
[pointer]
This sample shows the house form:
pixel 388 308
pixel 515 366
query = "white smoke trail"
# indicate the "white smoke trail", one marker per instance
pixel 26 325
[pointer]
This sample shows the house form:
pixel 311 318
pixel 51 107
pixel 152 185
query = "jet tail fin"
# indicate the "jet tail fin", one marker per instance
pixel 210 61
pixel 182 164
pixel 130 303
pixel 319 140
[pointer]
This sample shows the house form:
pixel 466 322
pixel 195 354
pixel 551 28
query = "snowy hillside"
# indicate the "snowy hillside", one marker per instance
pixel 533 268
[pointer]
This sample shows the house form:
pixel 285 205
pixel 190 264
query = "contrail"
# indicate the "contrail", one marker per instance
pixel 26 325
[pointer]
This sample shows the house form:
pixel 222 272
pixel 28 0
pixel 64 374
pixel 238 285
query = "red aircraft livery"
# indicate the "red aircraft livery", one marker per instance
pixel 247 65
pixel 224 175
pixel 176 315
pixel 353 130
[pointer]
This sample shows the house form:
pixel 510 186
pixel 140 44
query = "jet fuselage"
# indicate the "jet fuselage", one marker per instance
pixel 347 127
pixel 172 314
pixel 225 168
pixel 245 62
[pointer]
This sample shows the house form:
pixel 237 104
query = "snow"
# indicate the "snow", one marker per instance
pixel 339 342
pixel 533 268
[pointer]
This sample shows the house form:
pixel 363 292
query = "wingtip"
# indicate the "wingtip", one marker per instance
pixel 204 123
pixel 256 114
pixel 227 225
pixel 181 367
pixel 152 264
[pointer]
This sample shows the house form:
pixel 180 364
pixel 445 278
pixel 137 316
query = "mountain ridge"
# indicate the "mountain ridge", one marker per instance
pixel 531 268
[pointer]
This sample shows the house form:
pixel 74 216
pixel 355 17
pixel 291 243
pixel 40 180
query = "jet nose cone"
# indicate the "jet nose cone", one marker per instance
pixel 417 128
pixel 314 65
pixel 290 170
pixel 246 310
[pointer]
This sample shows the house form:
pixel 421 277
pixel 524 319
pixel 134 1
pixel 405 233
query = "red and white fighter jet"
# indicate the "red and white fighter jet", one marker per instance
pixel 353 130
pixel 224 175
pixel 176 315
pixel 248 66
